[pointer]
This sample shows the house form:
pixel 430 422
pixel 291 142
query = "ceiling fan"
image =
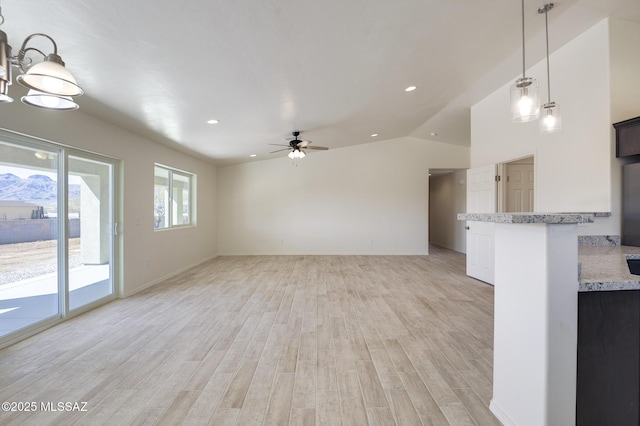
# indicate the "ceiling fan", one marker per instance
pixel 297 147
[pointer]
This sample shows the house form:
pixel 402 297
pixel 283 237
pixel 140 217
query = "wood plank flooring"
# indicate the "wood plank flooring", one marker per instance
pixel 272 340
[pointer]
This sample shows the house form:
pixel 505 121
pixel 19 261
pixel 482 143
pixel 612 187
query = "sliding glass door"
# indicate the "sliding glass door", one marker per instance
pixel 56 233
pixel 29 230
pixel 90 236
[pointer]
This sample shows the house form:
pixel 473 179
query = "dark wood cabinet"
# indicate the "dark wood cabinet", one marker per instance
pixel 631 204
pixel 627 137
pixel 608 382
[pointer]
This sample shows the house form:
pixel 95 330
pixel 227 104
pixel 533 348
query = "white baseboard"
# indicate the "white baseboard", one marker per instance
pixel 164 278
pixel 500 414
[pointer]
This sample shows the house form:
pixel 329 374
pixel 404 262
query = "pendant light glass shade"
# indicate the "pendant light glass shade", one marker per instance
pixel 551 120
pixel 48 101
pixel 525 100
pixel 50 76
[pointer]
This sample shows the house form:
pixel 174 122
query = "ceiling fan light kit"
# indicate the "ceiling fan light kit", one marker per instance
pixel 297 147
pixel 51 84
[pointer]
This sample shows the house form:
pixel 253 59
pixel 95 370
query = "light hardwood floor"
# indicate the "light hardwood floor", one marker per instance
pixel 272 340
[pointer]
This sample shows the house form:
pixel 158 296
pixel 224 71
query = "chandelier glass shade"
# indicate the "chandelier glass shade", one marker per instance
pixel 50 76
pixel 49 101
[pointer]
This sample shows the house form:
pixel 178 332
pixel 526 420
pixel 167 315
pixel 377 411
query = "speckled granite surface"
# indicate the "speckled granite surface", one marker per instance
pixel 527 217
pixel 604 268
pixel 599 240
pixel 595 214
pixel 602 214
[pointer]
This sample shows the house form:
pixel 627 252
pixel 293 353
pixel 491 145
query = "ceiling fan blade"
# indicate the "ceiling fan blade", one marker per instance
pixel 277 144
pixel 321 148
pixel 285 149
pixel 303 144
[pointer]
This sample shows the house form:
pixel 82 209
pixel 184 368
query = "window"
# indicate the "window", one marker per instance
pixel 171 198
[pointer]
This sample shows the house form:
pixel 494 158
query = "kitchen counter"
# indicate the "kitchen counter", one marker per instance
pixel 605 268
pixel 549 218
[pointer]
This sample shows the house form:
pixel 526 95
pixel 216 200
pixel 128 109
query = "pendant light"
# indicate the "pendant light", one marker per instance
pixel 525 101
pixel 551 120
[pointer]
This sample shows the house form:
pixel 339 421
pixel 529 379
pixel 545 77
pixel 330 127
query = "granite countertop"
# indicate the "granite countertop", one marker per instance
pixel 528 217
pixel 605 268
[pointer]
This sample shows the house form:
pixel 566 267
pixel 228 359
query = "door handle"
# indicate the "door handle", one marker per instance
pixel 466 227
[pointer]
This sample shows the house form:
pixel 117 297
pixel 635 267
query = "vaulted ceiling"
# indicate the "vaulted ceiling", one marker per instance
pixel 335 69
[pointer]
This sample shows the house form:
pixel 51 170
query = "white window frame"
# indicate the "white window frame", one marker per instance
pixel 170 212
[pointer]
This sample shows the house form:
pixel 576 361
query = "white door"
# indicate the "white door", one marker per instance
pixel 481 198
pixel 520 187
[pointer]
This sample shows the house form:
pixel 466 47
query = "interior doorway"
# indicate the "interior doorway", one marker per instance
pixel 516 186
pixel 447 198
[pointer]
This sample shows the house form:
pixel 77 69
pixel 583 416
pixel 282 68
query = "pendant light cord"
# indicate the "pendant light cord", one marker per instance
pixel 546 26
pixel 523 56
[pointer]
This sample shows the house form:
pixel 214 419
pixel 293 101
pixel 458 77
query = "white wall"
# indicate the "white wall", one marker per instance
pixel 447 198
pixel 364 199
pixel 167 251
pixel 573 166
pixel 625 68
pixel 625 94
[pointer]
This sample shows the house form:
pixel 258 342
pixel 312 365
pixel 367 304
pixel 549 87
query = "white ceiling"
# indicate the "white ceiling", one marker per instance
pixel 335 69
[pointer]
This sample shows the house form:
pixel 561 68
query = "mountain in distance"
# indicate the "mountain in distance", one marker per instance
pixel 36 189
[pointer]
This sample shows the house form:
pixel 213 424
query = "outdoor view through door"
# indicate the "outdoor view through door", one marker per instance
pixel 50 267
pixel 90 264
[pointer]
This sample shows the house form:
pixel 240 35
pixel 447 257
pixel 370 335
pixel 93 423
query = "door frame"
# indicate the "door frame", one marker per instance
pixel 115 266
pixel 501 170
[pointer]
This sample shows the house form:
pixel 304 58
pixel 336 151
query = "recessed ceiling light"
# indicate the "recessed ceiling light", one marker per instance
pixel 252 155
pixel 434 134
pixel 374 135
pixel 213 121
pixel 410 89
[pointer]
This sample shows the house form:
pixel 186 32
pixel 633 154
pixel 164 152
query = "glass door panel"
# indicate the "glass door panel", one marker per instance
pixel 90 236
pixel 29 229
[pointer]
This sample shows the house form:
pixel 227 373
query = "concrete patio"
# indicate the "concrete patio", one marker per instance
pixel 29 301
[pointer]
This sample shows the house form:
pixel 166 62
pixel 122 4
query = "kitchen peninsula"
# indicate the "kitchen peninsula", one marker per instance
pixel 535 316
